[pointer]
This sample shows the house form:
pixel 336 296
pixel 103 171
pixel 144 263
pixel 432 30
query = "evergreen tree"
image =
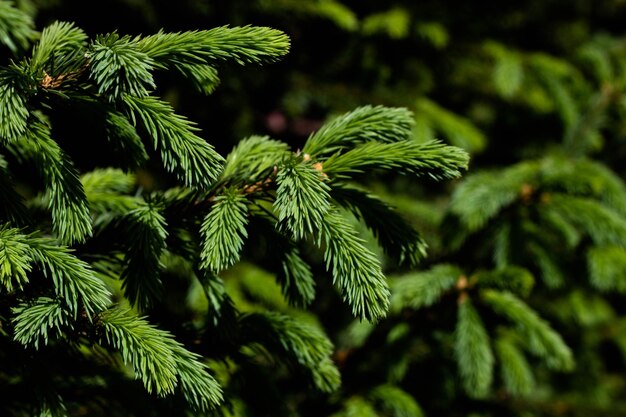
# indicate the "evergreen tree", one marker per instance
pixel 89 258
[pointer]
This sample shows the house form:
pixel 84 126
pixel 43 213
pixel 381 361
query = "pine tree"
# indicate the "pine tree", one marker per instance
pixel 88 257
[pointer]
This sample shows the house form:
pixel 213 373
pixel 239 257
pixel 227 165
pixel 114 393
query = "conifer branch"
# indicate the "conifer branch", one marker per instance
pixel 422 289
pixel 17 29
pixel 539 337
pixel 433 159
pixel 223 231
pixel 59 51
pixel 73 280
pixel 39 321
pixel 481 196
pixel 607 268
pixel 246 44
pixel 296 279
pixel 513 278
pixel 301 342
pixel 397 236
pixel 394 401
pixel 119 67
pixel 602 224
pixel 193 160
pixel 514 368
pixel 122 135
pixel 14 112
pixel 356 270
pixel 67 200
pixel 159 360
pixel 141 275
pixel 253 159
pixel 473 352
pixel 15 259
pixel 365 124
pixel 302 198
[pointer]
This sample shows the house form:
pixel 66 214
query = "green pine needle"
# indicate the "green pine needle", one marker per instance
pixel 193 160
pixel 223 231
pixel 356 271
pixel 515 369
pixel 17 29
pixel 14 112
pixel 246 44
pixel 296 279
pixel 302 199
pixel 537 334
pixel 473 352
pixel 365 124
pixel 432 159
pixel 118 67
pixel 303 343
pixel 147 232
pixel 37 322
pixel 396 235
pixel 422 289
pixel 159 360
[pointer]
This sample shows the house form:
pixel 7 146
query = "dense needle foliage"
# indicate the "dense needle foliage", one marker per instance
pixel 184 232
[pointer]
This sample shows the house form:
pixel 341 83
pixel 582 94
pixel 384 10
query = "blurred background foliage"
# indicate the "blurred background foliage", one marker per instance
pixel 534 90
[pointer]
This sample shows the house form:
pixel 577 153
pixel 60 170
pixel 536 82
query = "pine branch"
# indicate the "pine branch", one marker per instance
pixel 432 159
pixel 204 77
pixel 15 259
pixel 60 50
pixel 118 67
pixel 540 338
pixel 356 270
pixel 39 321
pixel 482 196
pixel 512 278
pixel 422 289
pixel 515 369
pixel 199 388
pixel 70 210
pixel 253 159
pixel 296 279
pixel 223 231
pixel 73 279
pixel 14 112
pixel 396 235
pixel 17 29
pixel 124 138
pixel 585 177
pixel 548 266
pixel 218 300
pixel 301 342
pixel 53 407
pixel 159 360
pixel 394 401
pixel 147 232
pixel 607 268
pixel 302 199
pixel 193 160
pixel 458 130
pixel 107 181
pixel 247 44
pixel 602 224
pixel 473 351
pixel 357 406
pixel 365 124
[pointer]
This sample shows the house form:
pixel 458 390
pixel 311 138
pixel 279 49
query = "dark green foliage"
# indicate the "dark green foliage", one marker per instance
pixel 86 249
